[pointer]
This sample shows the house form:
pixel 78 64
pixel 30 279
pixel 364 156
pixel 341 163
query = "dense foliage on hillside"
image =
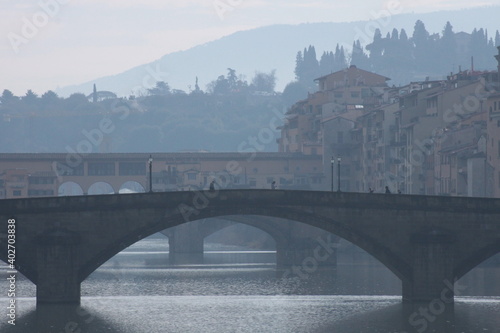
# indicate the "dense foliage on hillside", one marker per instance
pixel 404 58
pixel 165 119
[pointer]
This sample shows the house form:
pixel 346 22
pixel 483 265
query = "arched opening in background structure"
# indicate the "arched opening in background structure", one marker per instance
pixel 69 188
pixel 100 188
pixel 131 187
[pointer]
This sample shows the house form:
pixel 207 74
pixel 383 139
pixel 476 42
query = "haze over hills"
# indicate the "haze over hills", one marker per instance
pixel 275 47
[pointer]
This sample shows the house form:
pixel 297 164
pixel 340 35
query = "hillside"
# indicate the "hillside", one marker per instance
pixel 275 47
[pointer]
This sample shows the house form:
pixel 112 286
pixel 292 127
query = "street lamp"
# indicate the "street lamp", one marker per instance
pixel 150 173
pixel 332 162
pixel 338 174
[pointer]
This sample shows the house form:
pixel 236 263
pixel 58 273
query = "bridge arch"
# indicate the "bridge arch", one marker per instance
pixel 131 187
pixel 70 188
pixel 100 188
pixel 251 236
pixel 186 241
pixel 474 260
pixel 391 261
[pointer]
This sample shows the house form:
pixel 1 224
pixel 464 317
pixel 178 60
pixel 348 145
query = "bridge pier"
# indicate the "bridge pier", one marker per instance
pixel 432 269
pixel 57 266
pixel 185 244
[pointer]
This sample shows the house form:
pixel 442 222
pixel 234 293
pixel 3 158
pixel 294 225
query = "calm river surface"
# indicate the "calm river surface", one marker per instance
pixel 135 293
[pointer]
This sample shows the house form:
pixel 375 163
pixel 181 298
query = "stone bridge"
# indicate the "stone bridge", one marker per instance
pixel 295 241
pixel 427 241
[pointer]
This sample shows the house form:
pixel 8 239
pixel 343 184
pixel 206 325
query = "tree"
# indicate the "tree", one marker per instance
pixel 219 86
pixel 264 81
pixel 232 79
pixel 479 47
pixel 197 89
pixel 447 47
pixel 358 57
pixel 340 59
pixel 50 96
pixel 293 92
pixel 8 97
pixel 423 51
pixel 327 62
pixel 161 88
pixel 299 65
pixel 30 97
pixel 395 34
pixel 310 69
pixel 403 36
pixel 75 102
pixel 376 48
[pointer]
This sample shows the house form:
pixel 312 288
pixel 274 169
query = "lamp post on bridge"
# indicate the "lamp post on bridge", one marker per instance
pixel 338 174
pixel 150 161
pixel 332 162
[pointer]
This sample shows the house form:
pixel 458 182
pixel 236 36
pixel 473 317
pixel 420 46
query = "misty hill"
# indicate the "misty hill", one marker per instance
pixel 275 47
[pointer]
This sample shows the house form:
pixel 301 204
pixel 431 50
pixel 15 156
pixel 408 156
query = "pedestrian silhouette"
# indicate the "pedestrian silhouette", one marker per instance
pixel 273 185
pixel 212 185
pixel 370 190
pixel 387 190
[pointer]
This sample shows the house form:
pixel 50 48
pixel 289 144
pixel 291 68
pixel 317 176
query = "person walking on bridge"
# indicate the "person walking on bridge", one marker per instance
pixel 387 191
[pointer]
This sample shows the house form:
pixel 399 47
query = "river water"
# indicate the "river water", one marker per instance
pixel 136 293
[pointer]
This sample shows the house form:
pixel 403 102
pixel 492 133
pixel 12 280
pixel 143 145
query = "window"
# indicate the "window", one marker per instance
pixel 132 168
pixel 41 180
pixel 66 170
pixel 102 169
pixel 36 193
pixel 354 94
pixel 16 193
pixel 338 95
pixel 191 176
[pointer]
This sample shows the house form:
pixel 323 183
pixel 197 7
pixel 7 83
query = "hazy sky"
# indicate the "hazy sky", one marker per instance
pixel 50 43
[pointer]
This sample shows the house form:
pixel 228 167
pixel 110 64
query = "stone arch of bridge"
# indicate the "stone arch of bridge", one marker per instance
pixel 268 225
pixel 389 259
pixel 471 262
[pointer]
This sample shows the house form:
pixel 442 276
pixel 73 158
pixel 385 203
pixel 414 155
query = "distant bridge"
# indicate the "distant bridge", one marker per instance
pixel 427 241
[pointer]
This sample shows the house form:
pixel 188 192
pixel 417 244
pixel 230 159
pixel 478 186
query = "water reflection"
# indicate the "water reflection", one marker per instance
pixel 315 314
pixel 141 294
pixel 61 319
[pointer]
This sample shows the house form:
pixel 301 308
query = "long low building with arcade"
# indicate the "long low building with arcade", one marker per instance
pixel 53 174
